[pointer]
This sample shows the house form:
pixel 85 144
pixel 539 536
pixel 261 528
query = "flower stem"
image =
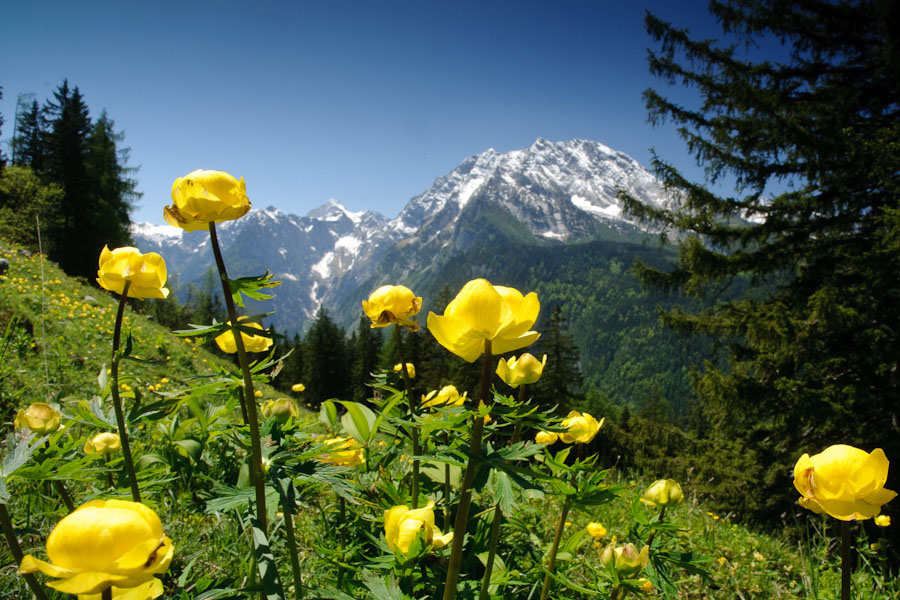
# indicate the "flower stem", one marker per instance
pixel 106 594
pixel 10 533
pixel 292 549
pixel 447 488
pixel 465 493
pixel 662 515
pixel 256 468
pixel 117 400
pixel 517 430
pixel 845 560
pixel 414 430
pixel 60 488
pixel 492 552
pixel 551 564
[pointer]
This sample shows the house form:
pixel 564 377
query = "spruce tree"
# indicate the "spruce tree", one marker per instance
pixel 561 382
pixel 28 143
pixel 811 141
pixel 2 156
pixel 326 368
pixel 365 345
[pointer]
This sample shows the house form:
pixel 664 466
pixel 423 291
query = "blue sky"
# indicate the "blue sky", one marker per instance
pixel 366 102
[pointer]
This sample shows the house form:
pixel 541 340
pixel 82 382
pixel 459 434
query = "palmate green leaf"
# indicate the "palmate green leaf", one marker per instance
pixel 202 330
pixel 358 421
pixel 265 563
pixel 250 286
pixel 229 498
pixel 20 450
pixel 383 588
pixel 152 411
pixel 328 415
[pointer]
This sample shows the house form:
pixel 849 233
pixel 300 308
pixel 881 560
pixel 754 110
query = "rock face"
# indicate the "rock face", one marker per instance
pixel 551 193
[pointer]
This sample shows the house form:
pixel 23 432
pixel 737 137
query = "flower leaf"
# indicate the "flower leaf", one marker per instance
pixel 250 286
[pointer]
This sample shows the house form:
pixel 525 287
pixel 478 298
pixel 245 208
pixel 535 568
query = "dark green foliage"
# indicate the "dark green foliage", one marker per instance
pixel 61 144
pixel 813 348
pixel 2 157
pixel 561 381
pixel 25 199
pixel 326 368
pixel 365 343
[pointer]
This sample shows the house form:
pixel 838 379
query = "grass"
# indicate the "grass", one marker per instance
pixel 57 342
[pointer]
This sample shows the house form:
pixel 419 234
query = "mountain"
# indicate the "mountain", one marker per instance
pixel 549 194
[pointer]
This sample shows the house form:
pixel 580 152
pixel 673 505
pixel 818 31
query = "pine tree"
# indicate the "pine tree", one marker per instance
pixel 111 188
pixel 2 157
pixel 813 349
pixel 561 382
pixel 365 345
pixel 28 143
pixel 326 367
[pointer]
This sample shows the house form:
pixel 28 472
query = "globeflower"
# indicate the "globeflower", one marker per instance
pixel 446 396
pixel 625 559
pixel 523 370
pixel 844 482
pixel 344 451
pixel 402 525
pixel 546 437
pixel 596 530
pixel 39 417
pixel 281 409
pixel 482 312
pixel 410 369
pixel 145 272
pixel 883 520
pixel 393 304
pixel 298 387
pixel 580 428
pixel 663 492
pixel 104 543
pixel 252 343
pixel 202 197
pixel 103 443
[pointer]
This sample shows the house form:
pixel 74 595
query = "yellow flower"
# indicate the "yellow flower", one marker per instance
pixel 883 520
pixel 104 543
pixel 145 591
pixel 546 437
pixel 201 197
pixel 844 482
pixel 281 409
pixel 410 369
pixel 446 396
pixel 581 428
pixel 625 559
pixel 663 492
pixel 402 525
pixel 482 312
pixel 596 530
pixel 523 370
pixel 344 451
pixel 146 272
pixel 393 304
pixel 252 343
pixel 103 443
pixel 298 387
pixel 38 417
pixel 645 585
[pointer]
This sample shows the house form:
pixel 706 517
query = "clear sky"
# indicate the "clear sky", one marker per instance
pixel 363 101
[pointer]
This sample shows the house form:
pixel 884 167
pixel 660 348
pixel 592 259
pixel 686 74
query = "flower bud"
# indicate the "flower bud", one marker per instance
pixel 883 520
pixel 523 370
pixel 546 437
pixel 625 559
pixel 103 443
pixel 281 409
pixel 446 396
pixel 410 369
pixel 663 492
pixel 38 417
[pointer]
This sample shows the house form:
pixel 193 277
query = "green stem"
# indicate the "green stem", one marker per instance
pixel 662 515
pixel 340 527
pixel 845 560
pixel 413 429
pixel 447 487
pixel 492 553
pixel 465 492
pixel 517 430
pixel 293 551
pixel 256 467
pixel 551 564
pixel 106 594
pixel 117 400
pixel 10 533
pixel 60 488
pixel 109 477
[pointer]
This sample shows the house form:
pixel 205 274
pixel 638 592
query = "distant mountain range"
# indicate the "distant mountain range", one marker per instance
pixel 549 194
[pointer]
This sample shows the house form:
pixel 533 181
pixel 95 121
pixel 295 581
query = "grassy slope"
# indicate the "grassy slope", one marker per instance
pixel 73 332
